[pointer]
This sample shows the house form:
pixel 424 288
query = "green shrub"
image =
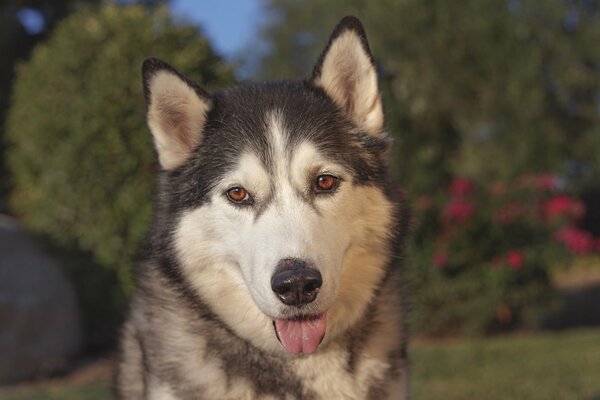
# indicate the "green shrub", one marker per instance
pixel 80 154
pixel 481 254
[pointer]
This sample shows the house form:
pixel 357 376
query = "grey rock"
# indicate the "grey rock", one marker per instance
pixel 40 327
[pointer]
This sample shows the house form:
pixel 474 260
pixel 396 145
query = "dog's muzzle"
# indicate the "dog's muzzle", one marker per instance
pixel 296 283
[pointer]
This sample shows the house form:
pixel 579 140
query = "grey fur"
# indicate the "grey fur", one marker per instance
pixel 176 346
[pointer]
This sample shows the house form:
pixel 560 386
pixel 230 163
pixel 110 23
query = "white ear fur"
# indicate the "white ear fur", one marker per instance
pixel 176 112
pixel 346 72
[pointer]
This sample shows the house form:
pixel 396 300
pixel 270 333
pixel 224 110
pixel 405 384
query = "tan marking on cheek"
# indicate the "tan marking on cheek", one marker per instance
pixel 368 216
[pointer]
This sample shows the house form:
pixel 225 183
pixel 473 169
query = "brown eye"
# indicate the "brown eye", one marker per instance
pixel 326 183
pixel 239 195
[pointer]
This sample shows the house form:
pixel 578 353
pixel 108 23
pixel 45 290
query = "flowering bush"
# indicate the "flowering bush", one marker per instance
pixel 480 253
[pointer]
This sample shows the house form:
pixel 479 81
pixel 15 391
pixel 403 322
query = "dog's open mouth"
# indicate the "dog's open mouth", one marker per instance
pixel 300 335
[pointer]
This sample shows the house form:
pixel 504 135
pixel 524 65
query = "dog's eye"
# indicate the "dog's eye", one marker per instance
pixel 239 195
pixel 326 183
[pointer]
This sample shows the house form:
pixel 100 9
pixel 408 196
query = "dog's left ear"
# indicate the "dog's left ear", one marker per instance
pixel 346 72
pixel 176 110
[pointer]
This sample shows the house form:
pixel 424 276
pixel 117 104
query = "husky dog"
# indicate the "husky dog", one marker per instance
pixel 272 269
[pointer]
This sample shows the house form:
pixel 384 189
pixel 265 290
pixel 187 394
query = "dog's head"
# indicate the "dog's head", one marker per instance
pixel 277 194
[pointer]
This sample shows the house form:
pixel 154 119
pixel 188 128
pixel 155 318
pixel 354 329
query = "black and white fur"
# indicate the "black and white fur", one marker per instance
pixel 201 322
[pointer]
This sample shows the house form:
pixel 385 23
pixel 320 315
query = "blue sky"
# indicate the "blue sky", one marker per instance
pixel 231 25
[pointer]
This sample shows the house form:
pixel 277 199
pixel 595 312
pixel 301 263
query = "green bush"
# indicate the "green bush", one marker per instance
pixel 80 154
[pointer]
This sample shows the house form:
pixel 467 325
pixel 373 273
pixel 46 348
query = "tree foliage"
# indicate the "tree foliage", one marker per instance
pixel 15 44
pixel 482 89
pixel 80 154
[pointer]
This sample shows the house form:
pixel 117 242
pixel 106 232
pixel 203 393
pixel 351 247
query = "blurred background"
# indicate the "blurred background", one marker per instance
pixel 494 107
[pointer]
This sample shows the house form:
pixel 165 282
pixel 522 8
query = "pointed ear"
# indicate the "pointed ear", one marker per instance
pixel 176 109
pixel 346 72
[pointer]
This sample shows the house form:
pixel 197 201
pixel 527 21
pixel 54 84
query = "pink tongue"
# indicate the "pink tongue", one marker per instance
pixel 301 336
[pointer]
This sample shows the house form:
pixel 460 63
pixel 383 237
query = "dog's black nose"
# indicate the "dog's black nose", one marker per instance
pixel 295 282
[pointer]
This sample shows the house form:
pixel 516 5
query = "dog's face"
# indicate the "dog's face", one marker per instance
pixel 277 192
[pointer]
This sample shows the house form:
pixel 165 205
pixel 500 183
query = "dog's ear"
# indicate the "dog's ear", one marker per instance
pixel 346 72
pixel 176 109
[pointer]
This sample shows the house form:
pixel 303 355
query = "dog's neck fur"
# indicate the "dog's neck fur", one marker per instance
pixel 365 356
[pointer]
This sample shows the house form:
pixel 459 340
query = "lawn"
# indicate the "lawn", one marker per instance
pixel 561 366
pixel 100 390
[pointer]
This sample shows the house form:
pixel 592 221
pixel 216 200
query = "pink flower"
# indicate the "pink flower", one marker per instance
pixel 563 205
pixel 597 245
pixel 440 259
pixel 509 212
pixel 526 180
pixel 558 205
pixel 457 211
pixel 515 259
pixel 546 182
pixel 461 187
pixel 497 188
pixel 577 241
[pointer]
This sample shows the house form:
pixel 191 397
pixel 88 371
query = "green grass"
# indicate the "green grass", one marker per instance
pixel 545 366
pixel 561 366
pixel 83 391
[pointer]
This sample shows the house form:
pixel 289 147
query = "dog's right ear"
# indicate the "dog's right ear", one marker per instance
pixel 346 72
pixel 176 109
